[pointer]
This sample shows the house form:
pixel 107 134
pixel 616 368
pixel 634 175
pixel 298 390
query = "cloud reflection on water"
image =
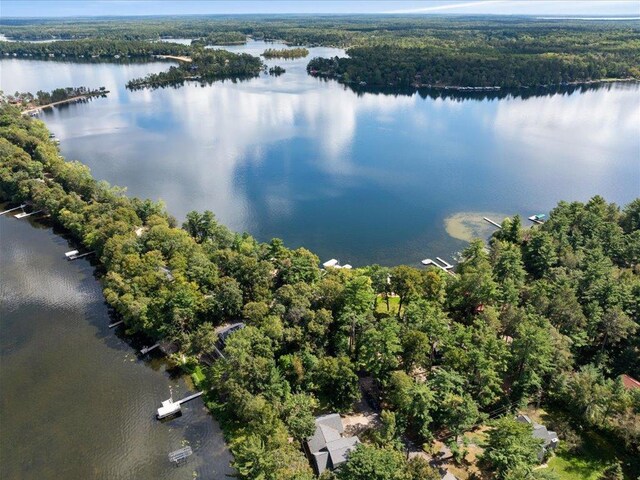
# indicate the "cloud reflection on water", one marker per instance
pixel 356 174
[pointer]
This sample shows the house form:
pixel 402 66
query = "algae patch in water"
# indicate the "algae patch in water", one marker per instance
pixel 470 225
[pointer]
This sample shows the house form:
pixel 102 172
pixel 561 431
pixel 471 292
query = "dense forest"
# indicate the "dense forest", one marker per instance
pixel 221 38
pixel 204 65
pixel 391 65
pixel 528 34
pixel 388 51
pixel 547 315
pixel 285 53
pixel 93 48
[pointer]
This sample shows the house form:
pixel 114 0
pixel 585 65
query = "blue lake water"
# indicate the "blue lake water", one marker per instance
pixel 362 177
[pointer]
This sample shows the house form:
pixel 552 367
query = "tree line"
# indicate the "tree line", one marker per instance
pixel 426 66
pixel 221 38
pixel 298 52
pixel 93 48
pixel 547 315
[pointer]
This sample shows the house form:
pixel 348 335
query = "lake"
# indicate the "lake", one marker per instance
pixel 362 177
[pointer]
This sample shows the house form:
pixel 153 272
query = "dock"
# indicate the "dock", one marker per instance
pixel 75 254
pixel 113 325
pixel 146 350
pixel 170 408
pixel 14 208
pixel 24 215
pixel 189 398
pixel 492 222
pixel 537 218
pixel 446 267
pixel 178 455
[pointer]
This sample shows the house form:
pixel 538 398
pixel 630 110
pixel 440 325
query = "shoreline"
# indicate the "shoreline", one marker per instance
pixel 472 89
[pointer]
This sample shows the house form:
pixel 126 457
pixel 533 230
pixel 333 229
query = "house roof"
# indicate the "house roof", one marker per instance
pixel 321 460
pixel 630 382
pixel 338 449
pixel 223 333
pixel 328 429
pixel 332 420
pixel 449 476
pixel 547 436
pixel 327 445
pixel 539 431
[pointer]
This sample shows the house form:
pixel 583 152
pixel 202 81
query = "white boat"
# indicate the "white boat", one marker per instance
pixel 168 408
pixel 71 254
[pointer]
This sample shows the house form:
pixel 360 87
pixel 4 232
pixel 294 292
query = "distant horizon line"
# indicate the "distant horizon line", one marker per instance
pixel 342 14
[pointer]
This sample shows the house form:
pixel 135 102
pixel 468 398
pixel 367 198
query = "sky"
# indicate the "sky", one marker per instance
pixel 66 8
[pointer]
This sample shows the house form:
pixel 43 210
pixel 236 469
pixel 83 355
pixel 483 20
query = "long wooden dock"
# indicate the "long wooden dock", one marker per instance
pixel 146 350
pixel 492 222
pixel 190 397
pixel 14 208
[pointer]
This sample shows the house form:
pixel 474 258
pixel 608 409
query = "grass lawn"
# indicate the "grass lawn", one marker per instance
pixel 587 464
pixel 393 305
pixel 596 454
pixel 197 375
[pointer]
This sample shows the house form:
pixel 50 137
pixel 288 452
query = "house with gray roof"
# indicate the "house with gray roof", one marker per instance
pixel 327 448
pixel 549 439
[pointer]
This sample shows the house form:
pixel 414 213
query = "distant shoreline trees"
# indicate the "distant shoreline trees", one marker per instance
pixel 286 53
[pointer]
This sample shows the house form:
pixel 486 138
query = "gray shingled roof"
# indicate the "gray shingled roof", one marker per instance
pixel 338 449
pixel 547 436
pixel 328 429
pixel 327 445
